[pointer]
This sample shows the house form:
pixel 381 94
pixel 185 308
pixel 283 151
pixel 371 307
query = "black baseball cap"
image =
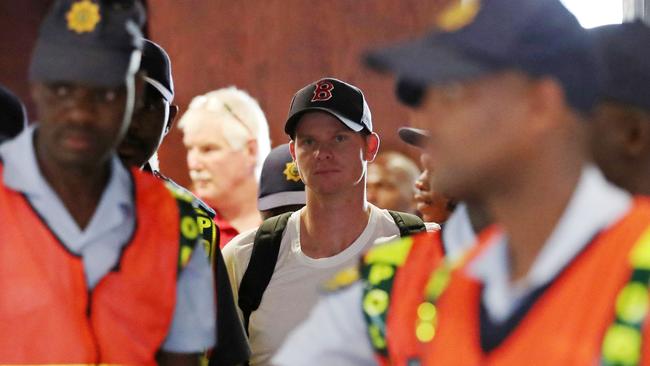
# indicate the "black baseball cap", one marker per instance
pixel 625 49
pixel 90 42
pixel 537 37
pixel 13 117
pixel 342 100
pixel 280 183
pixel 158 68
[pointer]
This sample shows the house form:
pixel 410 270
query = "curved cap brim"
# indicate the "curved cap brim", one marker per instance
pixel 414 136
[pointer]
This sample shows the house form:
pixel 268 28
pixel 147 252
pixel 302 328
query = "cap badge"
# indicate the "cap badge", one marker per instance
pixel 83 16
pixel 458 14
pixel 323 91
pixel 291 172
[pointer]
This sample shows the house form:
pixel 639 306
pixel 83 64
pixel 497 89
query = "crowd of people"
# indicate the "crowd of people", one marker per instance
pixel 522 237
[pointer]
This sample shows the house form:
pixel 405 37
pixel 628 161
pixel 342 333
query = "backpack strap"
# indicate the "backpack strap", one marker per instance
pixel 261 265
pixel 408 224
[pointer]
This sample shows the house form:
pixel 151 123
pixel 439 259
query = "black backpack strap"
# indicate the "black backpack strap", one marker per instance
pixel 261 265
pixel 408 224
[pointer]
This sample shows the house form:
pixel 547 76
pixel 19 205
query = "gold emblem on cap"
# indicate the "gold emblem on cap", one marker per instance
pixel 291 172
pixel 458 14
pixel 83 16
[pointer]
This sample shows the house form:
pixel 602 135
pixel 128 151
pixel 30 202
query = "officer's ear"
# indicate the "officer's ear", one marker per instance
pixel 636 138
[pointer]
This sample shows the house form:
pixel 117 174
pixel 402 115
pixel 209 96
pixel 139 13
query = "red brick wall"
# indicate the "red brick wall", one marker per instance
pixel 269 48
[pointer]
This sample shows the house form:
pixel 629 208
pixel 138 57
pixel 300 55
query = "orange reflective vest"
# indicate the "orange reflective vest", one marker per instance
pixel 419 269
pixel 582 318
pixel 47 312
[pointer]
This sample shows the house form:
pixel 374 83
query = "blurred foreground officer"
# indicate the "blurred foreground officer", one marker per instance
pixel 515 80
pixel 281 189
pixel 101 269
pixel 227 139
pixel 13 117
pixel 620 134
pixel 152 120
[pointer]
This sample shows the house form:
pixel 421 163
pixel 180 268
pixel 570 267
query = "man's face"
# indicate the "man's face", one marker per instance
pixel 433 206
pixel 331 158
pixel 216 167
pixel 79 125
pixel 474 131
pixel 615 139
pixel 151 121
pixel 389 190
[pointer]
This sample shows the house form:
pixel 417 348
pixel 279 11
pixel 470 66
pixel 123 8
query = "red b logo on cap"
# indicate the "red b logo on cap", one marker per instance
pixel 323 91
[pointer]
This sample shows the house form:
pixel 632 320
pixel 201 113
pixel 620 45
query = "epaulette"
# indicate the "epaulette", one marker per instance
pixel 182 192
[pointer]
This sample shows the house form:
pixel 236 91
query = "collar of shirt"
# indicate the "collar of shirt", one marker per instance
pixel 595 205
pixel 457 233
pixel 22 174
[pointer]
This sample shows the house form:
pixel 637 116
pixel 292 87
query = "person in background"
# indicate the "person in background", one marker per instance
pixel 227 138
pixel 620 132
pixel 432 206
pixel 391 179
pixel 332 142
pixel 281 189
pixel 13 117
pixel 104 266
pixel 151 122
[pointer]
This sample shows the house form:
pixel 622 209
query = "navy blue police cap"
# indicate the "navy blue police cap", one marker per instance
pixel 13 117
pixel 158 68
pixel 280 183
pixel 626 51
pixel 90 42
pixel 344 101
pixel 474 38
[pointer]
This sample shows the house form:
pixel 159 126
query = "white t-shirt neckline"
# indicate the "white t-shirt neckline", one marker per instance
pixel 353 251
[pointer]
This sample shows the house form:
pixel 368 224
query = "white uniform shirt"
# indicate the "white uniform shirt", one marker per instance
pixel 110 228
pixel 595 205
pixel 294 287
pixel 335 331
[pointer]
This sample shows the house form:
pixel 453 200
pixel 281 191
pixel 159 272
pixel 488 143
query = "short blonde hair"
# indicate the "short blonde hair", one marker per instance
pixel 236 104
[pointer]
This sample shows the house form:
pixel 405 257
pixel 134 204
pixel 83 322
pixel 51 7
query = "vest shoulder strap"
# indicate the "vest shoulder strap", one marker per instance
pixel 257 276
pixel 189 224
pixel 408 224
pixel 378 270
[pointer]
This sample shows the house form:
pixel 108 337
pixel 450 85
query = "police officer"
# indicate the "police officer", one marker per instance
pixel 515 80
pixel 103 268
pixel 620 132
pixel 152 120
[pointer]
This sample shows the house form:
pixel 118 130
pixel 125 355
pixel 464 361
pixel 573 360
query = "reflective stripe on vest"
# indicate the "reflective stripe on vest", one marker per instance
pixel 47 314
pixel 383 274
pixel 623 339
pixel 412 315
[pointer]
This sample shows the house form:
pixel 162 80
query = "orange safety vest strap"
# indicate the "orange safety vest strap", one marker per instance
pixel 419 282
pixel 381 266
